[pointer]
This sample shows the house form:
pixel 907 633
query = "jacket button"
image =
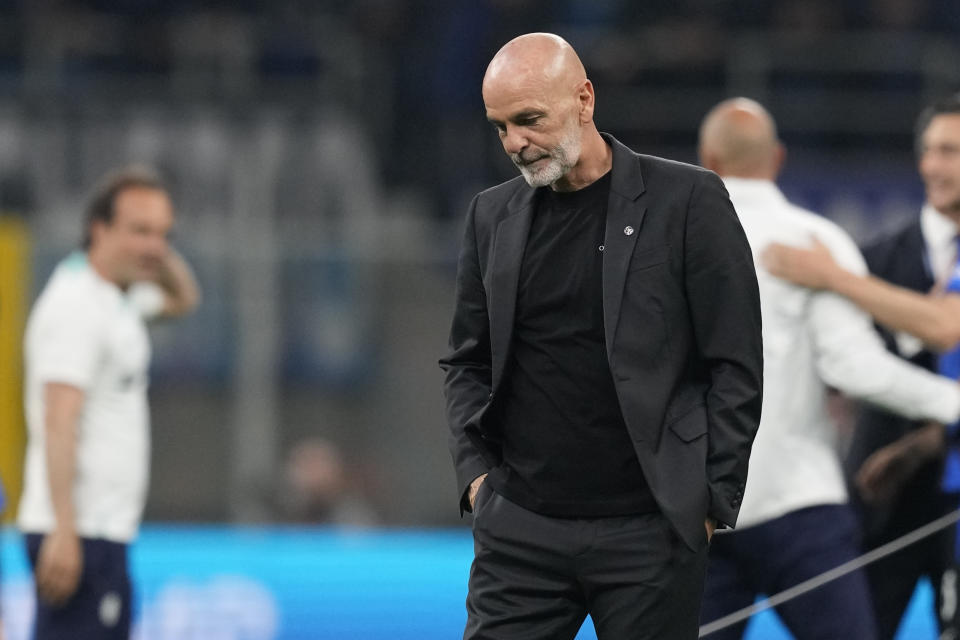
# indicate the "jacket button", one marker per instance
pixel 490 397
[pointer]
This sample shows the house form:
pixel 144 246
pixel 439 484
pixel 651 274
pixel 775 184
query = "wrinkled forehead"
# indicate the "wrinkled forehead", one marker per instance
pixel 521 90
pixel 529 89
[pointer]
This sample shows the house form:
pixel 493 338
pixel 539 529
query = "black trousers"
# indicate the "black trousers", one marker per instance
pixel 781 553
pixel 100 608
pixel 536 577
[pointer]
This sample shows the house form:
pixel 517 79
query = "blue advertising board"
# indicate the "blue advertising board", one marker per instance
pixel 227 583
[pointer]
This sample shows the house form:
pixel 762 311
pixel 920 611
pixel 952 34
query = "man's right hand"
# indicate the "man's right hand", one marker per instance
pixel 59 565
pixel 883 474
pixel 474 488
pixel 813 267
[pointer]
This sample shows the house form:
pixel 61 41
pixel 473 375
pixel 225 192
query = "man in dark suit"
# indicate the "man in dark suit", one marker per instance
pixel 897 464
pixel 603 382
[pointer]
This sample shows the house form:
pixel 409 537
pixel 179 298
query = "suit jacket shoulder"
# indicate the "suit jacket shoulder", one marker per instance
pixel 502 193
pixel 670 181
pixel 898 257
pixel 655 168
pixel 503 199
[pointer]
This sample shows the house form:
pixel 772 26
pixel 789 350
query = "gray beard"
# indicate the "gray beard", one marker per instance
pixel 546 176
pixel 562 158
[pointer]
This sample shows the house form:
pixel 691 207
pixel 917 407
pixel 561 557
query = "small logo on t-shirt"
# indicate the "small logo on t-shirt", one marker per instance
pixel 110 606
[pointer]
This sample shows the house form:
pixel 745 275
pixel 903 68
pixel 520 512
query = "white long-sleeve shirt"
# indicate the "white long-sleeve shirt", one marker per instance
pixel 812 340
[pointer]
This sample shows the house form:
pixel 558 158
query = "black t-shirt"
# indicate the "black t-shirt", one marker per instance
pixel 566 449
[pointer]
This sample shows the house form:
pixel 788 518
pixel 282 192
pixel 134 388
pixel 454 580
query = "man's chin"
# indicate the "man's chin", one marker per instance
pixel 542 178
pixel 946 204
pixel 537 182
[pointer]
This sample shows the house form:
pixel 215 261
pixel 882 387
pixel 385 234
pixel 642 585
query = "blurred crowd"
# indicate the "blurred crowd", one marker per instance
pixel 408 70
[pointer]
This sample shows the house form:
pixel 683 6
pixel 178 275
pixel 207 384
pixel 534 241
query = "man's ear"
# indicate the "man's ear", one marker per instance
pixel 585 101
pixel 780 159
pixel 709 160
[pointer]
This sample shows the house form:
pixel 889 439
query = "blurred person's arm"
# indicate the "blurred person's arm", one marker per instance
pixel 180 287
pixel 933 319
pixel 723 303
pixel 851 357
pixel 174 294
pixel 60 560
pixel 468 387
pixel 884 472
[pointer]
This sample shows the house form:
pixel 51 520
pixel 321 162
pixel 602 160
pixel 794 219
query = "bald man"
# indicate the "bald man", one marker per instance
pixel 603 382
pixel 795 521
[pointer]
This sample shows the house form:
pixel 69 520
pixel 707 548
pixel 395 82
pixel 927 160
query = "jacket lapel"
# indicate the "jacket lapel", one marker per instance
pixel 509 245
pixel 625 212
pixel 919 271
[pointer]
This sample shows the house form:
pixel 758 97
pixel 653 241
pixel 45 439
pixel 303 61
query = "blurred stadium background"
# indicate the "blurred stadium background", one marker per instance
pixel 321 155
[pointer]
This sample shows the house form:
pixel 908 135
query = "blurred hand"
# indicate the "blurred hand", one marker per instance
pixel 59 565
pixel 883 474
pixel 811 268
pixel 474 487
pixel 711 526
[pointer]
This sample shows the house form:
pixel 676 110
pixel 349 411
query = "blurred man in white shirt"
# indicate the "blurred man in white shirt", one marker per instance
pixel 87 353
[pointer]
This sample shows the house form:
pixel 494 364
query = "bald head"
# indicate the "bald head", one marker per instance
pixel 537 62
pixel 738 138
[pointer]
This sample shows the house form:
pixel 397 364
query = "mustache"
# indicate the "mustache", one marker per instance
pixel 520 160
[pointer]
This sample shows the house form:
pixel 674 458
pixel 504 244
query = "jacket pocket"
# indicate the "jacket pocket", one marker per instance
pixel 648 258
pixel 691 424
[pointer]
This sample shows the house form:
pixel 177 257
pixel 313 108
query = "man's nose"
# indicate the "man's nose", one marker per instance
pixel 514 141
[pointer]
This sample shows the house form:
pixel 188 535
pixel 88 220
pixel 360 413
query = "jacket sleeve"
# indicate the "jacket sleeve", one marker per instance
pixel 467 365
pixel 724 301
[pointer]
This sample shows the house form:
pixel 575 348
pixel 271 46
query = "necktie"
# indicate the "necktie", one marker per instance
pixel 949 365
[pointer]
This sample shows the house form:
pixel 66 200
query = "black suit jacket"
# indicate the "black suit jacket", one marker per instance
pixel 681 321
pixel 899 258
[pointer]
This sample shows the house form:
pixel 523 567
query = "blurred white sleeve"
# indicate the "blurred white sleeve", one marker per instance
pixel 851 357
pixel 68 342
